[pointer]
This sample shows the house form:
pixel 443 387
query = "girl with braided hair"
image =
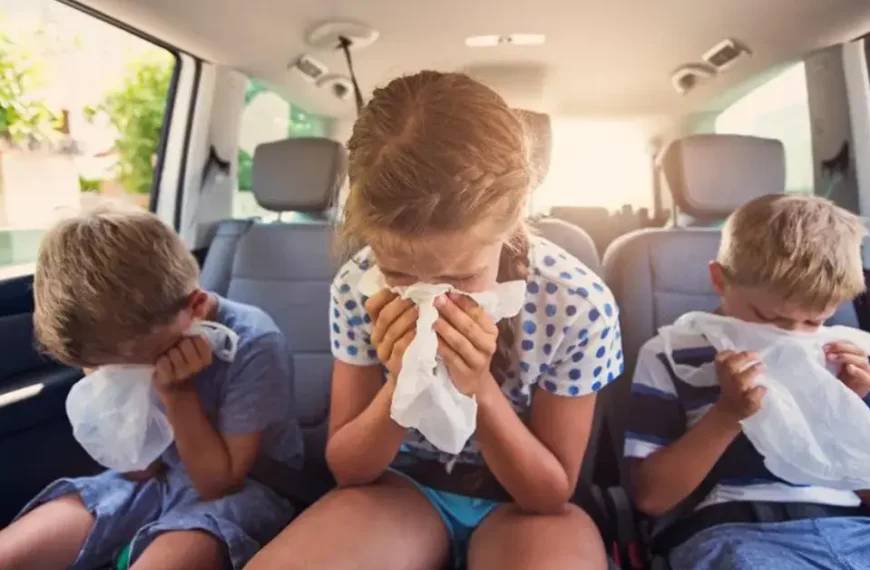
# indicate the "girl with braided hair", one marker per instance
pixel 439 179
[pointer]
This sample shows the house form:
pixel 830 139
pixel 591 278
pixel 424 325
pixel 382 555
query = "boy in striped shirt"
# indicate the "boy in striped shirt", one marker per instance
pixel 788 261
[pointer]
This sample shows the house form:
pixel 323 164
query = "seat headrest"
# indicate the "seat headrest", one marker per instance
pixel 710 176
pixel 299 175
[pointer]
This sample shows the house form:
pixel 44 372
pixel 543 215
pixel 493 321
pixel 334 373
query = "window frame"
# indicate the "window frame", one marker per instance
pixel 170 113
pixel 757 83
pixel 171 93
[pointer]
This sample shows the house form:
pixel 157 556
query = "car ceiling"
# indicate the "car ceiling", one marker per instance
pixel 600 58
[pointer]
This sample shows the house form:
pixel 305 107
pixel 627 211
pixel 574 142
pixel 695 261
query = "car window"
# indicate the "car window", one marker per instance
pixel 267 117
pixel 82 105
pixel 778 109
pixel 596 163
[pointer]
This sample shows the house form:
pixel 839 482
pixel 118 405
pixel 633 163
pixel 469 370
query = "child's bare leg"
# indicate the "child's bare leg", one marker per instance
pixel 182 550
pixel 47 538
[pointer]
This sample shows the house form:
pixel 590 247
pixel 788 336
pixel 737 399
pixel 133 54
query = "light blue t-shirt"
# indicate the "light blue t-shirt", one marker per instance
pixel 254 392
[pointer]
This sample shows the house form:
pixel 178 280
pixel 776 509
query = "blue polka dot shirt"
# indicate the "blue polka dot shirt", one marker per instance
pixel 569 341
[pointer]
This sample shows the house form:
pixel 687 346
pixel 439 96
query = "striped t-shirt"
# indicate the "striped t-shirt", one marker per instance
pixel 664 404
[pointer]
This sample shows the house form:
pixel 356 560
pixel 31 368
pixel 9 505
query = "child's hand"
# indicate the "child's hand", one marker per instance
pixel 854 366
pixel 181 363
pixel 467 341
pixel 395 326
pixel 737 371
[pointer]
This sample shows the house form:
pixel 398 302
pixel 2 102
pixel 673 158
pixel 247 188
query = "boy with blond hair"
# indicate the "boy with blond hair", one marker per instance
pixel 788 261
pixel 119 287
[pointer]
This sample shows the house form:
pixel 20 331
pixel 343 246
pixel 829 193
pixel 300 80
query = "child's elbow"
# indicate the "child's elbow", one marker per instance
pixel 348 477
pixel 214 490
pixel 345 475
pixel 646 494
pixel 553 501
pixel 545 507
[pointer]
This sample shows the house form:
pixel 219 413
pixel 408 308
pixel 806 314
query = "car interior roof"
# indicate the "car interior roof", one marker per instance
pixel 600 58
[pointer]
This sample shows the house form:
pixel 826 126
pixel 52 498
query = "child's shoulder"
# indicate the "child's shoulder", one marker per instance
pixel 249 322
pixel 349 275
pixel 556 274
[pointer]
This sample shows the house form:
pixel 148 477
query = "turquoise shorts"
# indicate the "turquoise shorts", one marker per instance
pixel 461 515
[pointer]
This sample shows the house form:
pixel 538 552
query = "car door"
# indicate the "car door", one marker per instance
pixel 92 126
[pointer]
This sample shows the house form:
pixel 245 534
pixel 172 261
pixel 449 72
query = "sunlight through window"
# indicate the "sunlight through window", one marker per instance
pixel 778 109
pixel 596 163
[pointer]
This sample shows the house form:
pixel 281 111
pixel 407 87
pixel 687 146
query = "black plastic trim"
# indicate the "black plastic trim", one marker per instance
pixel 182 174
pixel 16 295
pixel 164 134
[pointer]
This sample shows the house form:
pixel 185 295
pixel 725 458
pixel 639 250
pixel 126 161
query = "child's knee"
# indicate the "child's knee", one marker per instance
pixel 63 523
pixel 182 549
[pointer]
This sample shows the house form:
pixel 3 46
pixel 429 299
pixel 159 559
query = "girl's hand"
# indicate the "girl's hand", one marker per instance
pixel 395 326
pixel 854 366
pixel 467 341
pixel 180 364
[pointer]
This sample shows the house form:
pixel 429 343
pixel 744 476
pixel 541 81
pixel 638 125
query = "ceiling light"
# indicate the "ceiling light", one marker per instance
pixel 726 53
pixel 506 40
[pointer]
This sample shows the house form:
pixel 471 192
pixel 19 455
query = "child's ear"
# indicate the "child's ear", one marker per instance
pixel 717 277
pixel 199 304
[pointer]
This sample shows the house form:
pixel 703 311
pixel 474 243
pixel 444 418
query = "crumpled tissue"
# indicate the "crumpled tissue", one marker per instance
pixel 425 398
pixel 811 429
pixel 116 415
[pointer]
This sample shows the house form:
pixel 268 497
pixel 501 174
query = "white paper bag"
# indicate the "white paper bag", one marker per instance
pixel 115 413
pixel 811 429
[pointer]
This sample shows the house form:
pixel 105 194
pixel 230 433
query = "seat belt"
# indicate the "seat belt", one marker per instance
pixel 215 168
pixel 218 256
pixel 217 267
pixel 862 306
pixel 657 527
pixel 861 303
pixel 753 512
pixel 625 546
pixel 834 169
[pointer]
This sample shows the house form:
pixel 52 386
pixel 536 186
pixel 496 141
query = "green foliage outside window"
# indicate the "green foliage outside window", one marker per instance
pixel 25 119
pixel 136 109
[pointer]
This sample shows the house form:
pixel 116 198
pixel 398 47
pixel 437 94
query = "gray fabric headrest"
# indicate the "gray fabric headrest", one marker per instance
pixel 710 176
pixel 299 175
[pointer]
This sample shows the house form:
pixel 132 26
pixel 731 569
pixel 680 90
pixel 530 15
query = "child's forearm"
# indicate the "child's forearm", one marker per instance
pixel 669 475
pixel 525 467
pixel 202 450
pixel 361 450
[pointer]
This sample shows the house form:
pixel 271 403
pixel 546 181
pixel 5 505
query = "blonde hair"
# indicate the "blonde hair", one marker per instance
pixel 105 278
pixel 803 248
pixel 439 152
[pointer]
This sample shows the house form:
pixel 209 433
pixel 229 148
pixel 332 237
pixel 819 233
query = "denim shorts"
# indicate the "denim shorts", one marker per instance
pixel 829 543
pixel 129 515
